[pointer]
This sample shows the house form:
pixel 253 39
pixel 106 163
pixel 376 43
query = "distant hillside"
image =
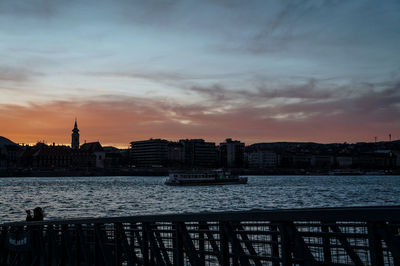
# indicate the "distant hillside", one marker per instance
pixel 5 141
pixel 360 147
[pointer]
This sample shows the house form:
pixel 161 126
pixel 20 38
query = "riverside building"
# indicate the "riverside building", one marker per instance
pixel 198 153
pixel 149 153
pixel 231 153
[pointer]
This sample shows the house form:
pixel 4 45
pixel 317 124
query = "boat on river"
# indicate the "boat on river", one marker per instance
pixel 199 177
pixel 349 172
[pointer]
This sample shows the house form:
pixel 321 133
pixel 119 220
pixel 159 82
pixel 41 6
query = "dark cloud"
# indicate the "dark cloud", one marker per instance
pixel 371 108
pixel 278 24
pixel 316 29
pixel 179 79
pixel 9 74
pixel 160 14
pixel 152 12
pixel 305 91
pixel 36 8
pixel 154 76
pixel 215 93
pixel 13 74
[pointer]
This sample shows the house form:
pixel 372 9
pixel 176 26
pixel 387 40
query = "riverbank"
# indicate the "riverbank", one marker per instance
pixel 165 172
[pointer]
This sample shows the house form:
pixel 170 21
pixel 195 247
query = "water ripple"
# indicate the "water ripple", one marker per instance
pixel 76 197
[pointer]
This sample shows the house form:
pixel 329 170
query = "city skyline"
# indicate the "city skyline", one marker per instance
pixel 75 140
pixel 260 71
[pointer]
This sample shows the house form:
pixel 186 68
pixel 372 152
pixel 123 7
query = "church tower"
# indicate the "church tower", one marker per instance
pixel 75 137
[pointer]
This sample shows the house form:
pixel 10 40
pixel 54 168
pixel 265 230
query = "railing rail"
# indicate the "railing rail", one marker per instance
pixel 323 236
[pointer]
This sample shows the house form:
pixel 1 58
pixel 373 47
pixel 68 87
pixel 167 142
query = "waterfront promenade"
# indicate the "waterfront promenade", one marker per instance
pixel 319 236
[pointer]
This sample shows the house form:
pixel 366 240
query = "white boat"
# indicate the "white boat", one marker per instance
pixel 198 177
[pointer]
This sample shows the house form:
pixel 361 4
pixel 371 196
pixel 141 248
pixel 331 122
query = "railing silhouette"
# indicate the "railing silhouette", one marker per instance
pixel 331 236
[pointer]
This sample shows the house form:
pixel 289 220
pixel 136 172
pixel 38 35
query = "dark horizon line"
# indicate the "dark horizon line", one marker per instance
pixel 274 142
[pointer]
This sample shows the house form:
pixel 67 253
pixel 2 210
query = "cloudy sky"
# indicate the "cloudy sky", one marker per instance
pixel 257 71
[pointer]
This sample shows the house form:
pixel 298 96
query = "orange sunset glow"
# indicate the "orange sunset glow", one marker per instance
pixel 119 121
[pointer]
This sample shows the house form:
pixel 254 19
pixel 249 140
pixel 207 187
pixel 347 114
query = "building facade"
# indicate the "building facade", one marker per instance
pixel 95 150
pixel 198 153
pixel 175 154
pixel 150 153
pixel 43 156
pixel 261 159
pixel 231 153
pixel 10 156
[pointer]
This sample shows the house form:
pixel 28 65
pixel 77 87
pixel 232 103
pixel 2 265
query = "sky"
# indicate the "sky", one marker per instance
pixel 256 71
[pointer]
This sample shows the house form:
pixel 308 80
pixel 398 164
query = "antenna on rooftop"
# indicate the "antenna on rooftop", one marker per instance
pixel 390 137
pixel 376 138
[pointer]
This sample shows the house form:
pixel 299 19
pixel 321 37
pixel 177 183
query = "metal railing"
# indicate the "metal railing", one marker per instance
pixel 331 236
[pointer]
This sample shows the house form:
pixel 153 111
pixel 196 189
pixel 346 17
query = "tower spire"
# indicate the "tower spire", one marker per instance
pixel 75 136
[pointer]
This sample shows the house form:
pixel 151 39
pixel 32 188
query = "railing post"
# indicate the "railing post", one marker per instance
pixel 86 253
pixel 224 244
pixel 78 257
pixel 49 247
pixel 58 250
pixel 388 233
pixel 26 257
pixel 66 246
pixel 201 242
pixel 41 251
pixel 132 238
pixel 33 257
pixel 4 251
pixel 117 246
pixel 285 244
pixel 326 243
pixel 97 259
pixel 274 245
pixel 145 244
pixel 396 255
pixel 375 245
pixel 178 245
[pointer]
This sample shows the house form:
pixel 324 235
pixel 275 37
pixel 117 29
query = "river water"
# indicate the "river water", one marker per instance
pixel 77 197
